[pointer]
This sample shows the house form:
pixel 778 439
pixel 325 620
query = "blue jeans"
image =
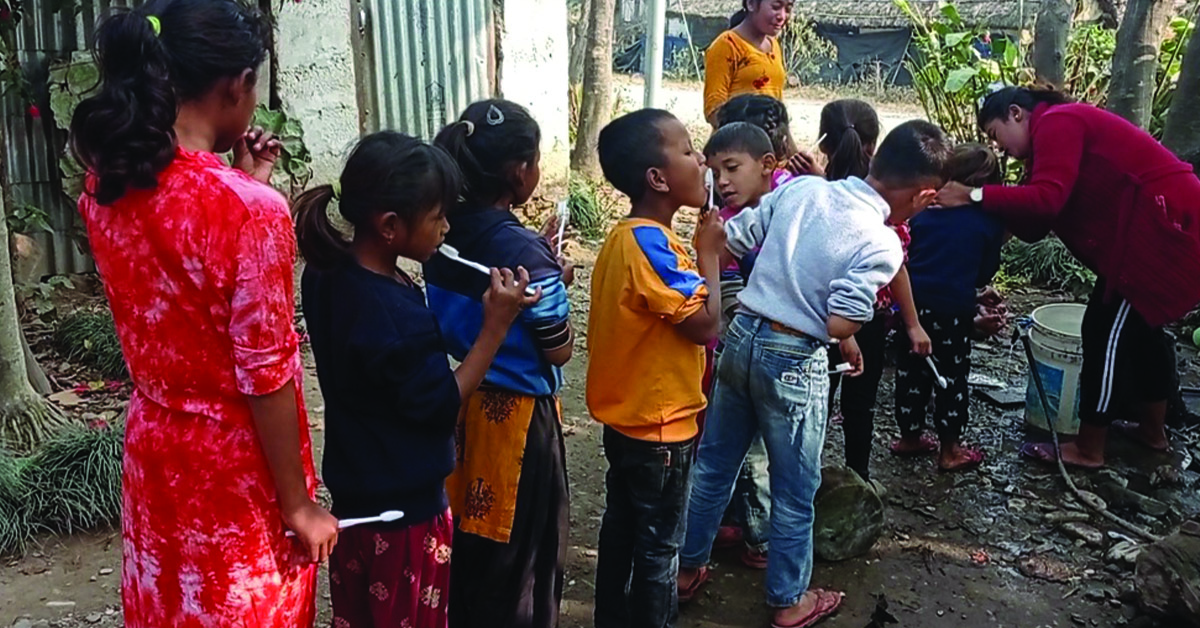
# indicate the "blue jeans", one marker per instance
pixel 775 384
pixel 641 532
pixel 752 498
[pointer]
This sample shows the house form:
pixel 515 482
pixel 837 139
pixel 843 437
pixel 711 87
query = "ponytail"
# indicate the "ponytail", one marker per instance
pixel 740 15
pixel 151 60
pixel 489 139
pixel 851 131
pixel 320 242
pixel 997 104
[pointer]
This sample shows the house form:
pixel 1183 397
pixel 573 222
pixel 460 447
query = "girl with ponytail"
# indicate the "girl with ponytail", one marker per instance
pixel 747 59
pixel 197 261
pixel 509 558
pixel 392 400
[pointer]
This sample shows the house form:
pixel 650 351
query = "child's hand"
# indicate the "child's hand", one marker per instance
pixel 315 529
pixel 505 299
pixel 568 271
pixel 922 345
pixel 255 154
pixel 802 163
pixel 852 355
pixel 710 235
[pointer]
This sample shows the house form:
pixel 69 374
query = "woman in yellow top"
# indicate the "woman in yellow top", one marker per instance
pixel 747 58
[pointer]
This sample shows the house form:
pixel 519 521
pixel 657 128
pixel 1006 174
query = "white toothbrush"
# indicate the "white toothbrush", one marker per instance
pixel 385 517
pixel 711 183
pixel 816 147
pixel 452 253
pixel 941 381
pixel 841 368
pixel 564 216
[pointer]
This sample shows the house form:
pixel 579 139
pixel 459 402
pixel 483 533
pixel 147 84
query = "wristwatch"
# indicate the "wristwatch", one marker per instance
pixel 976 195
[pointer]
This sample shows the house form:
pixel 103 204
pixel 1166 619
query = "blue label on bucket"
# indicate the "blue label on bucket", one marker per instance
pixel 1052 383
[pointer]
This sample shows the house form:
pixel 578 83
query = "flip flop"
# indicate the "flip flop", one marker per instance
pixel 1129 430
pixel 727 537
pixel 688 593
pixel 1044 453
pixel 929 446
pixel 827 604
pixel 974 459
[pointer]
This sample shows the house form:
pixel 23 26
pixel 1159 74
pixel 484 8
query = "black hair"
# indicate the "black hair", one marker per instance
pixel 739 137
pixel 631 145
pixel 740 15
pixel 913 151
pixel 996 105
pixel 125 134
pixel 490 138
pixel 975 165
pixel 386 172
pixel 765 112
pixel 851 132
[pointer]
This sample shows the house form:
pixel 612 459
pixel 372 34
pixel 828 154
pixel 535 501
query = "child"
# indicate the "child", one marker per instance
pixel 850 129
pixel 826 250
pixel 508 556
pixel 953 252
pixel 651 315
pixel 391 399
pixel 743 162
pixel 197 260
pixel 770 115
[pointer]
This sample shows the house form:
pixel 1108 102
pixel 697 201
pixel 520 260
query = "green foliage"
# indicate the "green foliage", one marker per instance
pixel 1046 263
pixel 293 170
pixel 15 528
pixel 1170 62
pixel 90 337
pixel 950 73
pixel 39 296
pixel 804 51
pixel 1088 63
pixel 590 211
pixel 28 219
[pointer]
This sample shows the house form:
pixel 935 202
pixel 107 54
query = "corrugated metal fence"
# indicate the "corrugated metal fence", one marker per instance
pixel 34 144
pixel 421 62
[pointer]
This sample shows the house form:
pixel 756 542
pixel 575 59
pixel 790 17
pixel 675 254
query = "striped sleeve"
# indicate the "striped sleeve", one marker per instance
pixel 664 278
pixel 549 317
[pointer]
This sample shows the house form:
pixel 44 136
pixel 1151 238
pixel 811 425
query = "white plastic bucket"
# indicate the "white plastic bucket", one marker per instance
pixel 1058 357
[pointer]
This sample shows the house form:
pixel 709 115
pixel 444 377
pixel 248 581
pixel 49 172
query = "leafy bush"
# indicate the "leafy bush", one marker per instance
pixel 1089 63
pixel 805 52
pixel 15 528
pixel 1046 263
pixel 590 210
pixel 90 337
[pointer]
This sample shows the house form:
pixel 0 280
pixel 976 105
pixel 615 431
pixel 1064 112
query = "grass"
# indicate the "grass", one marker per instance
pixel 90 337
pixel 591 210
pixel 1046 263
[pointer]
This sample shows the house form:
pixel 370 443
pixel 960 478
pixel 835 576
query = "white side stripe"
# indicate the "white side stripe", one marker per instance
pixel 1110 357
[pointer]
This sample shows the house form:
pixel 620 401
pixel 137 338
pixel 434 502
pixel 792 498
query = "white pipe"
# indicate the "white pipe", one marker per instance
pixel 652 68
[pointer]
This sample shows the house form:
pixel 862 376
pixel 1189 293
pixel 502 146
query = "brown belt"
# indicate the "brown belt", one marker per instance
pixel 784 329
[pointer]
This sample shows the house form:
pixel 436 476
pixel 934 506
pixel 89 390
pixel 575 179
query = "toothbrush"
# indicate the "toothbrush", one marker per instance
pixel 941 381
pixel 452 253
pixel 564 216
pixel 385 517
pixel 841 368
pixel 708 181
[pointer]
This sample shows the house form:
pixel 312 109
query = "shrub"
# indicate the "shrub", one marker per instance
pixel 590 210
pixel 90 337
pixel 75 479
pixel 1046 263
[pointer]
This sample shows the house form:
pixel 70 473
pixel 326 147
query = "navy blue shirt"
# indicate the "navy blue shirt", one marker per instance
pixel 953 252
pixel 495 238
pixel 391 400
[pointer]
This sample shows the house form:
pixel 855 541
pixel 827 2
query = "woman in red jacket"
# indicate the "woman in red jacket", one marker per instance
pixel 1130 211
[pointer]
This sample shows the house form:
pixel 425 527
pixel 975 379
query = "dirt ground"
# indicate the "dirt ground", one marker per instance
pixel 971 549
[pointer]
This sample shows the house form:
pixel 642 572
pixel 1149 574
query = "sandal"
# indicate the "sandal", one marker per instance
pixel 688 593
pixel 929 446
pixel 727 537
pixel 1044 453
pixel 827 604
pixel 1131 431
pixel 974 459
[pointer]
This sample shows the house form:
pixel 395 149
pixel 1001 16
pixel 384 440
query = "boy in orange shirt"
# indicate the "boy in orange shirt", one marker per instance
pixel 652 312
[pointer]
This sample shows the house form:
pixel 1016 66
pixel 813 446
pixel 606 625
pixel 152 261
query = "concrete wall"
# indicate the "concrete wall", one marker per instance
pixel 316 79
pixel 534 74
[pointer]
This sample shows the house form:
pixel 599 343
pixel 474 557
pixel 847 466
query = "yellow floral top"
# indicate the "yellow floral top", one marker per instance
pixel 735 66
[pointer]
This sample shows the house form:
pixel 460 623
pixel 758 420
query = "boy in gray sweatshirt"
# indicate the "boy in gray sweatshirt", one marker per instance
pixel 825 251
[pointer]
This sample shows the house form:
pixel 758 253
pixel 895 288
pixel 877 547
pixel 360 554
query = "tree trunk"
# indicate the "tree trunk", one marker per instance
pixel 25 417
pixel 578 45
pixel 26 255
pixel 1135 61
pixel 1050 40
pixel 596 106
pixel 1181 131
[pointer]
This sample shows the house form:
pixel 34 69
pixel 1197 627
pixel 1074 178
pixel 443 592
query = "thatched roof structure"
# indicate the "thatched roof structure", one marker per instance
pixel 997 14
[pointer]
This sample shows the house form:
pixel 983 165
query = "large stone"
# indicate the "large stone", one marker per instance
pixel 1167 577
pixel 849 515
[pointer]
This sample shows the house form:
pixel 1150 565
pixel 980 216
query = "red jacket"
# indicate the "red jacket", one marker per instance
pixel 1124 205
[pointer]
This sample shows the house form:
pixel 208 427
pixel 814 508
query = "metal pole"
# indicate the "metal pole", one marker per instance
pixel 652 68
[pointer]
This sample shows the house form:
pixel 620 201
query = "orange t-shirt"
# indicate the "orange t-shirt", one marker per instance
pixel 644 376
pixel 734 66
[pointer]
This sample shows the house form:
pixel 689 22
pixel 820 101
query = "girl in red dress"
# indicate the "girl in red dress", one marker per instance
pixel 197 261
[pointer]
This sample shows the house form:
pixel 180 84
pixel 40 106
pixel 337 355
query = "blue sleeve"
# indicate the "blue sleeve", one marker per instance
pixel 665 262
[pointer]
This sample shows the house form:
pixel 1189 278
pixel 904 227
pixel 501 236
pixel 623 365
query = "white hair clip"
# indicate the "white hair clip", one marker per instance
pixel 494 117
pixel 992 89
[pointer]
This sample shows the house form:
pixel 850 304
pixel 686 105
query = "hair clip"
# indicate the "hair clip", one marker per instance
pixel 336 186
pixel 494 117
pixel 470 126
pixel 155 24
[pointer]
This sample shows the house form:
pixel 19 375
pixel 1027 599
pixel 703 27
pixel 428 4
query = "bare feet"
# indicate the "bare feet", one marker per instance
pixel 1144 434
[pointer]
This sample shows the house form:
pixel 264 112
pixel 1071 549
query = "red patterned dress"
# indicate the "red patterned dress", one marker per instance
pixel 199 277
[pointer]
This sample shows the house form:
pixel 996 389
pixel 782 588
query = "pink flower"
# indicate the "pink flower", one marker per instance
pixel 34 112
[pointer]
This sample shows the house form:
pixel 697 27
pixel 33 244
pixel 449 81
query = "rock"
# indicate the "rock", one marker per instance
pixel 106 571
pixel 93 618
pixel 1122 497
pixel 1167 577
pixel 848 515
pixel 1084 532
pixel 1123 553
pixel 1099 593
pixel 23 622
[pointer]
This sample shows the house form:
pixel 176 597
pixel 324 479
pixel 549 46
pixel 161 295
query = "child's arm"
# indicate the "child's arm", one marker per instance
pixel 705 324
pixel 852 298
pixel 902 291
pixel 501 305
pixel 746 231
